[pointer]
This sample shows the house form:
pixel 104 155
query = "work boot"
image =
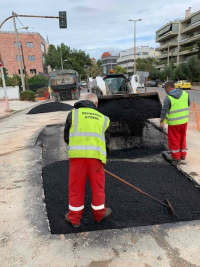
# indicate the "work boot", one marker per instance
pixel 68 220
pixel 166 155
pixel 107 214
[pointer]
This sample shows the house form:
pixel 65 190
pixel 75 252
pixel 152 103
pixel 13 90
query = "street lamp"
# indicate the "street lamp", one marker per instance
pixel 135 42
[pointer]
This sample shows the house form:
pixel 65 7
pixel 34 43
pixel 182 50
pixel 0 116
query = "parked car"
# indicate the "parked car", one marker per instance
pixel 83 84
pixel 183 84
pixel 151 84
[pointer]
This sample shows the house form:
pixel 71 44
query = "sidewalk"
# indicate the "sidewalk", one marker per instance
pixel 16 106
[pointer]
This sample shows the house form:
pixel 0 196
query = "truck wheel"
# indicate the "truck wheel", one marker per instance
pixel 73 96
pixel 77 96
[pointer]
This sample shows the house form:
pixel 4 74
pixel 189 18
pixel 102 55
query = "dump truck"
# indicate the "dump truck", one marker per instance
pixel 64 84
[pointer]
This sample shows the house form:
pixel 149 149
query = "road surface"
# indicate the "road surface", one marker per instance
pixel 194 95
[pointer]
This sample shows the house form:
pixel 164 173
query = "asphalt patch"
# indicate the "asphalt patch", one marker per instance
pixel 129 208
pixel 50 107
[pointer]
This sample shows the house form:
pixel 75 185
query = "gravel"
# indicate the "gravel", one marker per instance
pixel 50 107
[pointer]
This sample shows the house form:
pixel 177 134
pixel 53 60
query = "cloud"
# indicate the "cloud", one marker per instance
pixel 99 26
pixel 85 9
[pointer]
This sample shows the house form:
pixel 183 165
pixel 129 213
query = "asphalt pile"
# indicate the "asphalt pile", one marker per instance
pixel 130 109
pixel 50 107
pixel 129 208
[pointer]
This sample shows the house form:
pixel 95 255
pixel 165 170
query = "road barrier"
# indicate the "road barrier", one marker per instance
pixel 194 116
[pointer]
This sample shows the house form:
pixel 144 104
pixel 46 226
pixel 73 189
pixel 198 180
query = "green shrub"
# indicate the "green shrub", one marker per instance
pixel 40 92
pixel 27 95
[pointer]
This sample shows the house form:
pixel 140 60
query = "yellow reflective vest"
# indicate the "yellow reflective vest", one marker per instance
pixel 87 134
pixel 178 113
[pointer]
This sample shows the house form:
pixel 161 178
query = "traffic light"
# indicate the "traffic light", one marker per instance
pixel 5 73
pixel 63 20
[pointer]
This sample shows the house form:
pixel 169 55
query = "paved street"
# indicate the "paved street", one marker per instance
pixel 194 95
pixel 25 239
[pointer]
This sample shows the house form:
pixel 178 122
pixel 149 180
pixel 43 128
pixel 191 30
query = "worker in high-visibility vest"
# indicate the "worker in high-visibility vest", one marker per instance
pixel 87 136
pixel 175 113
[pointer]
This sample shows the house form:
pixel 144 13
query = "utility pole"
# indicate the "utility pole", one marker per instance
pixel 26 78
pixel 61 59
pixel 135 20
pixel 18 52
pixel 4 86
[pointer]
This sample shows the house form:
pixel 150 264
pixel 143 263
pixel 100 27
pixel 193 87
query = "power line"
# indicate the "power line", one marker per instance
pixel 28 31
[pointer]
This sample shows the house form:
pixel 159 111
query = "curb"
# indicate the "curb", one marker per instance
pixel 17 111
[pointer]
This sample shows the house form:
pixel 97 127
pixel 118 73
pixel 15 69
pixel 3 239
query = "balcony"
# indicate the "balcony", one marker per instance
pixel 162 66
pixel 166 36
pixel 188 52
pixel 165 46
pixel 191 28
pixel 166 55
pixel 190 39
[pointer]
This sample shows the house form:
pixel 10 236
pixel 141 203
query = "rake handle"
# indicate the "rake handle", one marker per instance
pixel 137 189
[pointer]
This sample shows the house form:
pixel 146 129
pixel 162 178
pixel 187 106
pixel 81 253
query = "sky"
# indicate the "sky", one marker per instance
pixel 96 26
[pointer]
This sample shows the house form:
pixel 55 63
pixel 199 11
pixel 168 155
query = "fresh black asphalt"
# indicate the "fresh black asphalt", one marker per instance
pixel 50 107
pixel 129 208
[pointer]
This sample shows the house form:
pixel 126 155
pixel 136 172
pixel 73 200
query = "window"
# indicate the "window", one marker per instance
pixel 16 44
pixel 31 58
pixel 43 60
pixel 22 70
pixel 29 44
pixel 32 71
pixel 42 47
pixel 18 58
pixel 145 53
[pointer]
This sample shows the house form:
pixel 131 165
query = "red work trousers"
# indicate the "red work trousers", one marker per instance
pixel 79 169
pixel 177 140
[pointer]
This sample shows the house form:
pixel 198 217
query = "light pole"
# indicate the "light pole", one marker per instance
pixel 135 42
pixel 61 59
pixel 18 52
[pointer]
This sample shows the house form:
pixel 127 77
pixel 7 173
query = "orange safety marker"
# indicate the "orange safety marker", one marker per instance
pixel 194 116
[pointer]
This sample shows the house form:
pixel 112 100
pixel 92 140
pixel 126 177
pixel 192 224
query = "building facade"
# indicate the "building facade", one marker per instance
pixel 34 47
pixel 126 59
pixel 178 40
pixel 108 62
pixel 93 60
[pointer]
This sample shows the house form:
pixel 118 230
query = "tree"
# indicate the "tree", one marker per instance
pixel 193 66
pixel 72 59
pixel 198 47
pixel 167 72
pixel 119 69
pixel 146 64
pixel 99 62
pixel 94 70
pixel 154 74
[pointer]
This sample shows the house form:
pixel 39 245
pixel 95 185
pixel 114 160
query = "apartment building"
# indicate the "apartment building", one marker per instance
pixel 178 39
pixel 34 47
pixel 126 59
pixel 108 62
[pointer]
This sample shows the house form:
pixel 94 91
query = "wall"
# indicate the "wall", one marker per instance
pixel 12 92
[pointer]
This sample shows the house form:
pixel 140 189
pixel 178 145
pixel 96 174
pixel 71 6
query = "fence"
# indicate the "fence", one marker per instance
pixel 12 92
pixel 194 116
